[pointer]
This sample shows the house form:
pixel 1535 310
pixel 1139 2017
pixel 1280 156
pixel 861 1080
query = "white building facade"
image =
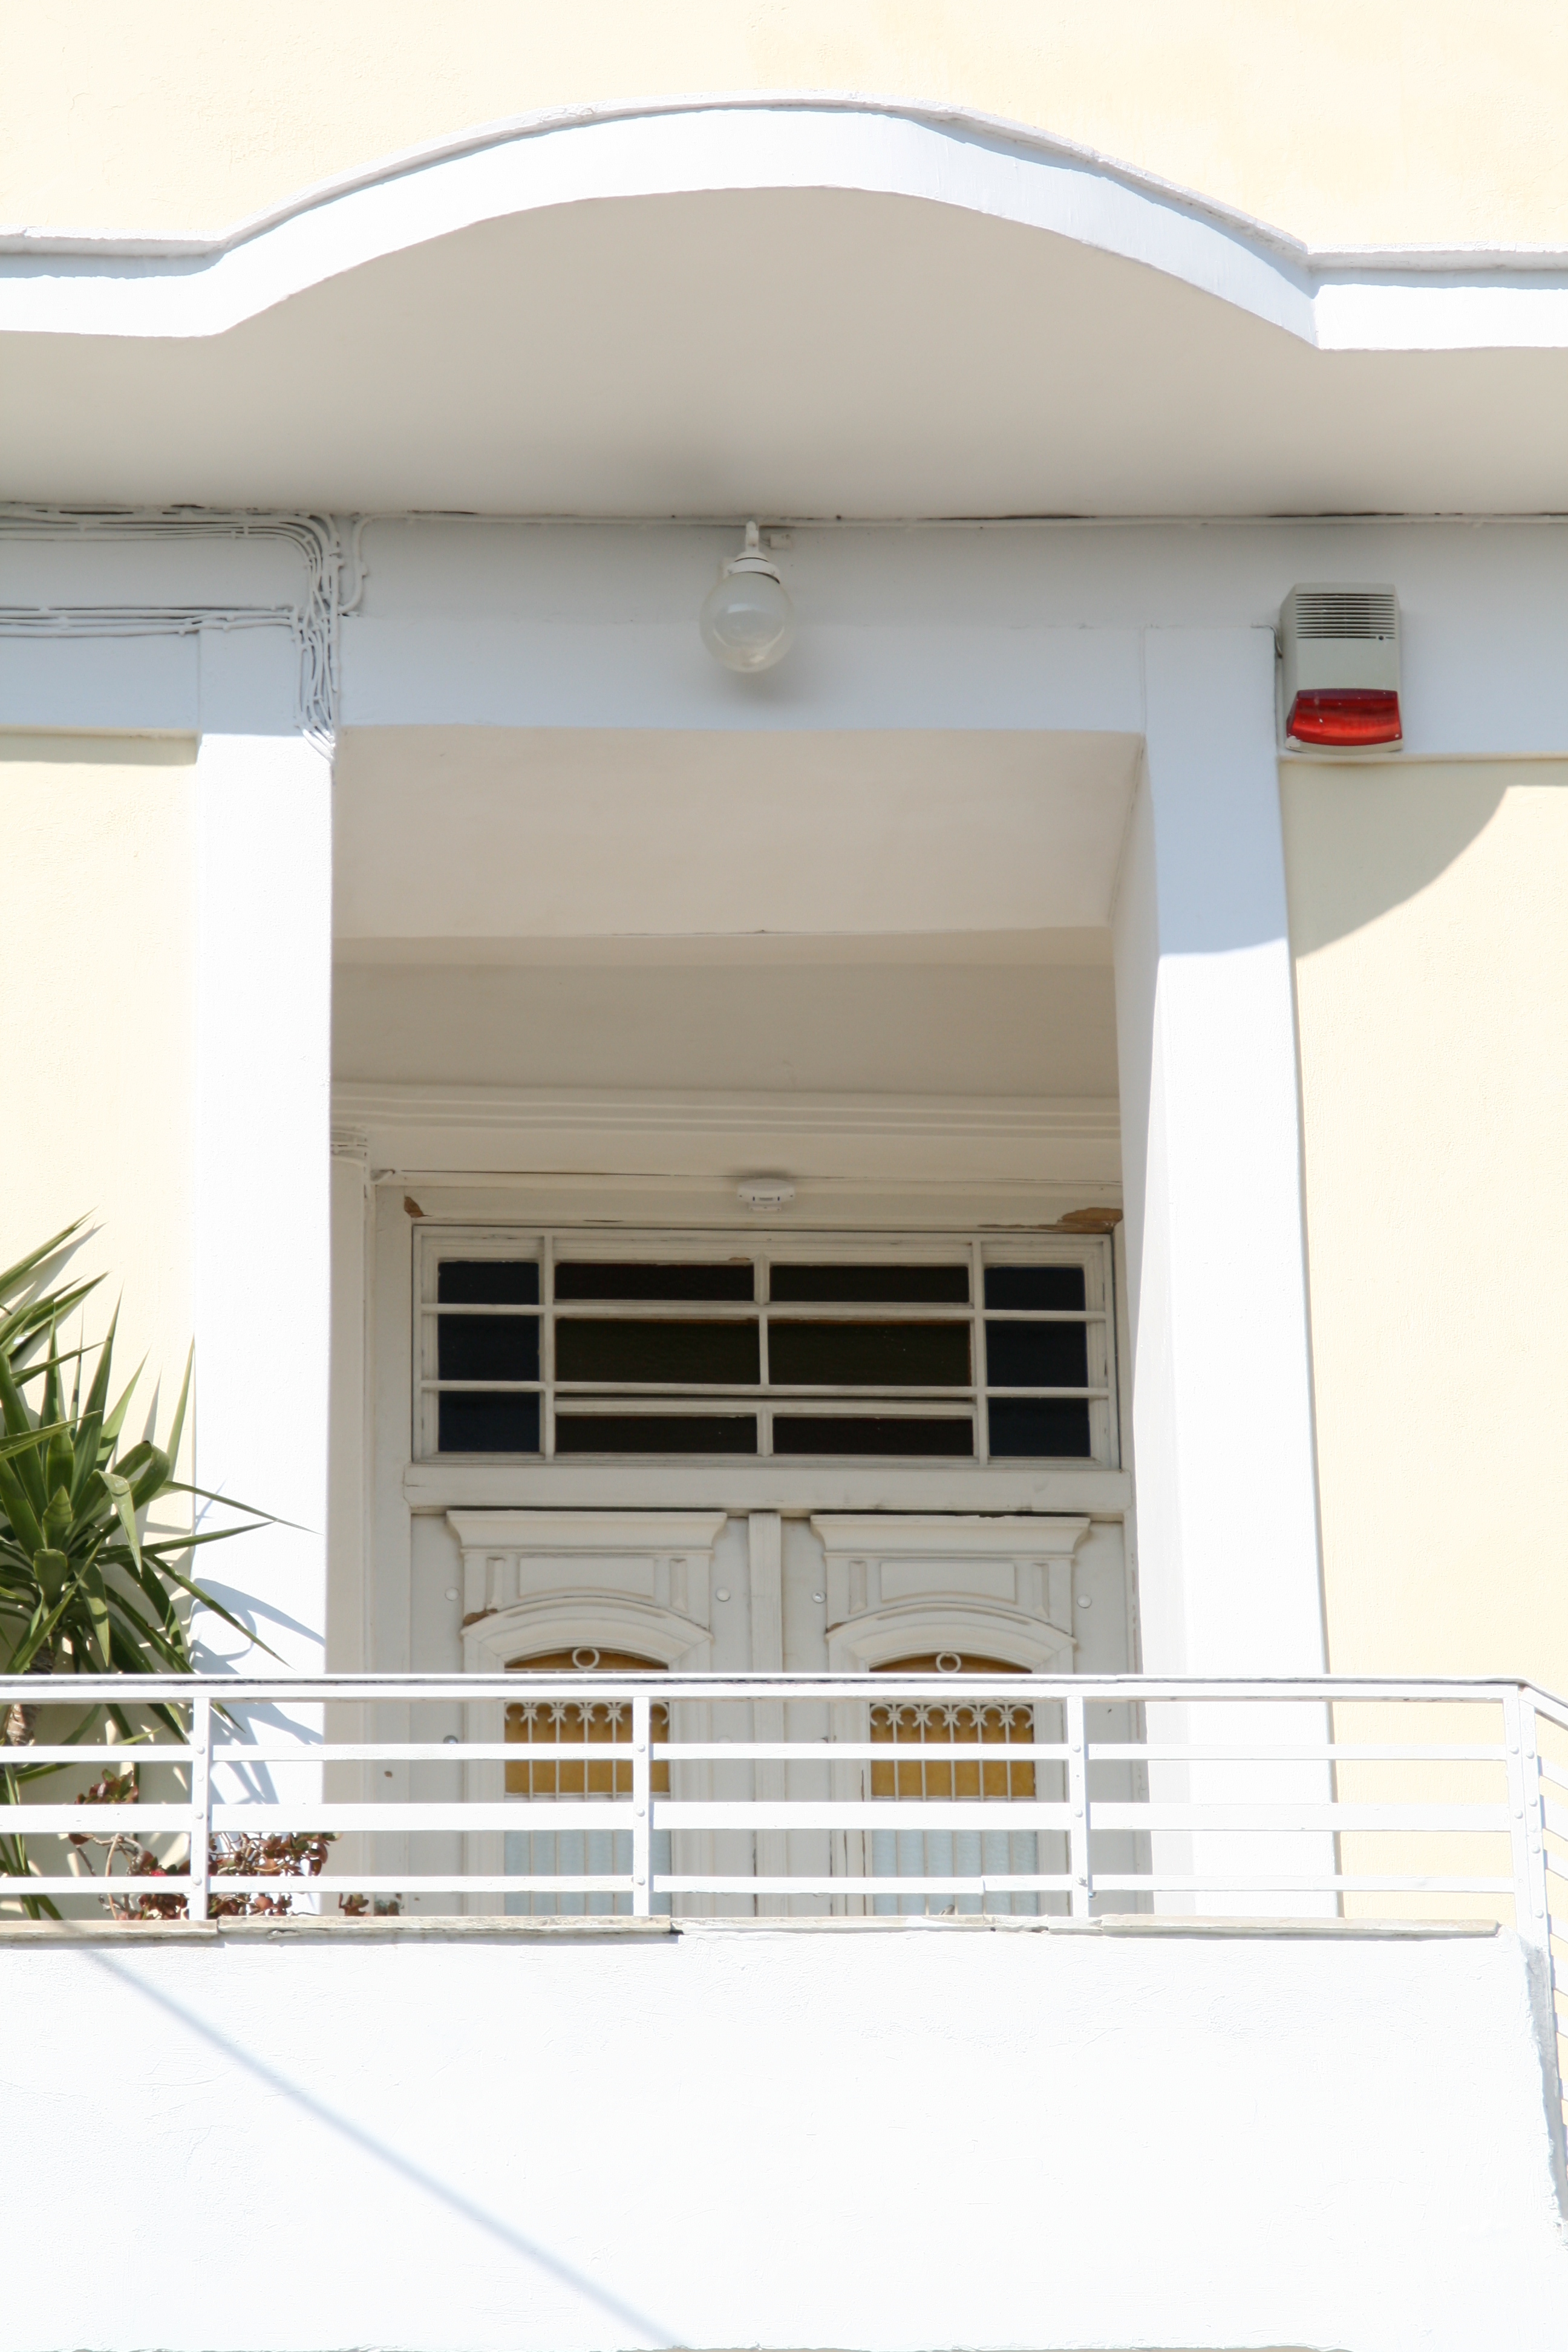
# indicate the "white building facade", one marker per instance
pixel 831 1171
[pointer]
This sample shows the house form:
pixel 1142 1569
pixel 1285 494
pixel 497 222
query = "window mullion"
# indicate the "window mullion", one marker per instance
pixel 547 1345
pixel 978 1351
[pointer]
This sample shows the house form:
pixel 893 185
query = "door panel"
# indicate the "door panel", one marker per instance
pixel 830 1593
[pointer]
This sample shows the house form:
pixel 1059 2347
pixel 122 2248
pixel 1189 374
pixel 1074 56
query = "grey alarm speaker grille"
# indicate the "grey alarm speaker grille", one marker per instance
pixel 1361 615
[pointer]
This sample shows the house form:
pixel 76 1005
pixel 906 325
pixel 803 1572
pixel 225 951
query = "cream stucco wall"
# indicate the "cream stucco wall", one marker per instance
pixel 98 861
pixel 1426 909
pixel 1403 121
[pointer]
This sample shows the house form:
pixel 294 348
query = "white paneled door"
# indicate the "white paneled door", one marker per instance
pixel 948 1594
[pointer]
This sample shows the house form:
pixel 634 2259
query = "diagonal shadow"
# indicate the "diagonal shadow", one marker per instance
pixel 650 2331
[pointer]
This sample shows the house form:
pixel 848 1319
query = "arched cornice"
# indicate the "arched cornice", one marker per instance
pixel 1396 300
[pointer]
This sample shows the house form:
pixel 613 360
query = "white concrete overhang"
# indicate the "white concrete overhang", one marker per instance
pixel 800 306
pixel 495 844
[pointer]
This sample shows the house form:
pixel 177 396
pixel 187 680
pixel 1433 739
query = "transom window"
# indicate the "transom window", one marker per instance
pixel 936 1348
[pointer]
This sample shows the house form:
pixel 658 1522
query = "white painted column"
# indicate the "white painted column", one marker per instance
pixel 348 1645
pixel 1216 1265
pixel 262 1206
pixel 347 1597
pixel 1221 1415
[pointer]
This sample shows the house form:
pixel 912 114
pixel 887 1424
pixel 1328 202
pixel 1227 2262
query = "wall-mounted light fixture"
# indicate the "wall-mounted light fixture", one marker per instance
pixel 748 620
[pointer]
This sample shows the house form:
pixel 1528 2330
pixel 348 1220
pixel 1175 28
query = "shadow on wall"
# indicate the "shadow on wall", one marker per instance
pixel 63 749
pixel 1359 840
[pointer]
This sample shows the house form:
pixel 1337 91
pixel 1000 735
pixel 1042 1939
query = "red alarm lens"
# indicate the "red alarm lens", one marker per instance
pixel 1348 719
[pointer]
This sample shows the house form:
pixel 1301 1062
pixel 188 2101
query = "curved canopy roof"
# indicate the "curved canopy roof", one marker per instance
pixel 791 308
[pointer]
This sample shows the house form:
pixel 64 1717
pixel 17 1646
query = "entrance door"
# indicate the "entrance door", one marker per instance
pixel 854 1451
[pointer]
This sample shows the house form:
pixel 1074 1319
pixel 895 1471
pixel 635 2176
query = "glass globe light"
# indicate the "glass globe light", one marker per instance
pixel 748 620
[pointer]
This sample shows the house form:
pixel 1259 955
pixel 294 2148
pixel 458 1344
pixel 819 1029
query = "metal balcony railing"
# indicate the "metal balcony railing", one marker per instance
pixel 1280 1796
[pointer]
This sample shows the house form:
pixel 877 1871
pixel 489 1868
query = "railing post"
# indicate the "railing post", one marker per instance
pixel 200 1804
pixel 1078 1800
pixel 1526 1820
pixel 642 1807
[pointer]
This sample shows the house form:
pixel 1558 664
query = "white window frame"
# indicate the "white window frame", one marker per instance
pixel 552 1245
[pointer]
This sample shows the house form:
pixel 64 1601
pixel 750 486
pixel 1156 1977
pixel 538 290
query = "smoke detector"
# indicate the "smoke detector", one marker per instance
pixel 1339 668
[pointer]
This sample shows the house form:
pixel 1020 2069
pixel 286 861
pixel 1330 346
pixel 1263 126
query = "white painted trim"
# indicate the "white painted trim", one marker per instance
pixel 445 1132
pixel 567 1619
pixel 867 1628
pixel 751 1485
pixel 528 1111
pixel 578 1604
pixel 536 1532
pixel 879 1635
pixel 985 1538
pixel 60 283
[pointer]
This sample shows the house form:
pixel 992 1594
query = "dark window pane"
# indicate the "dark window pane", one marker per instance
pixel 488 1347
pixel 574 1280
pixel 656 1432
pixel 691 1355
pixel 867 1433
pixel 488 1282
pixel 1058 1288
pixel 487 1424
pixel 869 1355
pixel 872 1285
pixel 1036 1356
pixel 1060 1425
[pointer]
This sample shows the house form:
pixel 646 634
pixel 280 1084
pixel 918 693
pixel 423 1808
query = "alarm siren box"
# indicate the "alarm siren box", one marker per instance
pixel 1340 662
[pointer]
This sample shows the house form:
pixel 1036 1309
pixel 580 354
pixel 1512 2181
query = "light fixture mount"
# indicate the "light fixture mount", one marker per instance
pixel 765 1195
pixel 747 619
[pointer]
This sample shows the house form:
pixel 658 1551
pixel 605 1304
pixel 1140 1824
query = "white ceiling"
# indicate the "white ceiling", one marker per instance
pixel 910 344
pixel 452 843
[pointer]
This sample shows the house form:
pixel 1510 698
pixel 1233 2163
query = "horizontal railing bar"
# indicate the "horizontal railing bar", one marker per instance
pixel 1105 1882
pixel 233 1690
pixel 612 1813
pixel 447 1751
pixel 830 1751
pixel 1283 1816
pixel 92 1819
pixel 424 1883
pixel 1554 1867
pixel 14 1890
pixel 619 1751
pixel 923 1816
pixel 775 1751
pixel 19 1759
pixel 1555 1817
pixel 361 1883
pixel 916 1814
pixel 1058 1883
pixel 1553 1772
pixel 565 1813
pixel 1110 1882
pixel 434 1751
pixel 1107 1751
pixel 664 1882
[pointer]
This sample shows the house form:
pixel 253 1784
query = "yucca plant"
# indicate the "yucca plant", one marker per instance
pixel 83 1588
